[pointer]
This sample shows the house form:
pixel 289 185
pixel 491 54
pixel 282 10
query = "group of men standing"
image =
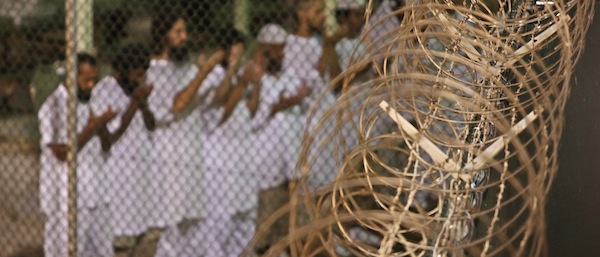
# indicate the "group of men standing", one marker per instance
pixel 188 147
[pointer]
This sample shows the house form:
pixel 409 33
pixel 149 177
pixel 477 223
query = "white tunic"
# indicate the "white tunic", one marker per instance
pixel 128 161
pixel 278 138
pixel 228 181
pixel 381 26
pixel 300 62
pixel 177 145
pixel 348 48
pixel 92 184
pixel 302 56
pixel 222 139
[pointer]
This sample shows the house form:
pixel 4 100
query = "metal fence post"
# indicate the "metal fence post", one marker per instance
pixel 71 83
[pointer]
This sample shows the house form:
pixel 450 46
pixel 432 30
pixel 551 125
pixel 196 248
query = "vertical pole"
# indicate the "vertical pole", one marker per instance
pixel 330 21
pixel 242 14
pixel 71 84
pixel 85 25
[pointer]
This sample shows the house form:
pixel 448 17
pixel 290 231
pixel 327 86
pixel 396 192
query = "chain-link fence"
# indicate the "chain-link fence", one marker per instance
pixel 175 128
pixel 158 128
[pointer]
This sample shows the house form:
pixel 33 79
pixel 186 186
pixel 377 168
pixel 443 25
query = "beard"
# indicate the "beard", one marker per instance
pixel 274 65
pixel 316 31
pixel 127 85
pixel 178 54
pixel 84 96
pixel 317 28
pixel 225 63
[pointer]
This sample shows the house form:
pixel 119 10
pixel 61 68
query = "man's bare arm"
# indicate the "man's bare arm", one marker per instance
pixel 148 116
pixel 225 88
pixel 184 96
pixel 94 125
pixel 236 95
pixel 287 102
pixel 254 99
pixel 138 98
pixel 254 72
pixel 329 61
pixel 125 121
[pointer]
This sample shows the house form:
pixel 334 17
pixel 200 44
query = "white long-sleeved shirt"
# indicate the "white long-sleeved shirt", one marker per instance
pixel 91 179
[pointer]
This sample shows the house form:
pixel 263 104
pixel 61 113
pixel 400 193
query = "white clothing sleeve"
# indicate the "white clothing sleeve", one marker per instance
pixel 160 101
pixel 206 92
pixel 269 95
pixel 52 130
pixel 47 117
pixel 107 93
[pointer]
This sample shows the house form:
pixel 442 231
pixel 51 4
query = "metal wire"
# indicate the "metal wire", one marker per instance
pixel 477 91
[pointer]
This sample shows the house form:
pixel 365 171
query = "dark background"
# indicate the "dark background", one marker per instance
pixel 573 207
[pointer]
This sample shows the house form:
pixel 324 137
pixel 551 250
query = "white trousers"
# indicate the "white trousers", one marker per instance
pixel 169 244
pixel 94 233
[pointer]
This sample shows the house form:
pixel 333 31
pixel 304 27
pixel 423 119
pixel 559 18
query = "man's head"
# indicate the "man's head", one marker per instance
pixel 312 13
pixel 131 63
pixel 351 13
pixel 169 33
pixel 271 39
pixel 230 38
pixel 87 74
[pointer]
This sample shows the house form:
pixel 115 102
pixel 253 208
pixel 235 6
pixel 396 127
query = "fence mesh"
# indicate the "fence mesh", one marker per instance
pixel 174 127
pixel 173 130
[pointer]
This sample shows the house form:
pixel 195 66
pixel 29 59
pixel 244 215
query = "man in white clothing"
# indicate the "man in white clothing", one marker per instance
pixel 310 58
pixel 227 185
pixel 274 104
pixel 383 26
pixel 128 150
pixel 94 236
pixel 175 102
pixel 305 52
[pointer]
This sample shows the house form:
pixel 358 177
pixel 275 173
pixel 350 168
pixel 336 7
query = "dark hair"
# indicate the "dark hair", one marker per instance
pixel 130 57
pixel 302 5
pixel 342 13
pixel 230 36
pixel 295 8
pixel 85 58
pixel 82 58
pixel 162 23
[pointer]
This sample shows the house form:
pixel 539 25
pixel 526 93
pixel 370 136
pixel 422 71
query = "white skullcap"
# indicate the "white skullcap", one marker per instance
pixel 350 4
pixel 272 34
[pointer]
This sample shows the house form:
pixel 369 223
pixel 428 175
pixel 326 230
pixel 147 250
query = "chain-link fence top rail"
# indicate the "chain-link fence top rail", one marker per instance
pixel 430 127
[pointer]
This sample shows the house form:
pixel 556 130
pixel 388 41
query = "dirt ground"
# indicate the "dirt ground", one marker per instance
pixel 21 220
